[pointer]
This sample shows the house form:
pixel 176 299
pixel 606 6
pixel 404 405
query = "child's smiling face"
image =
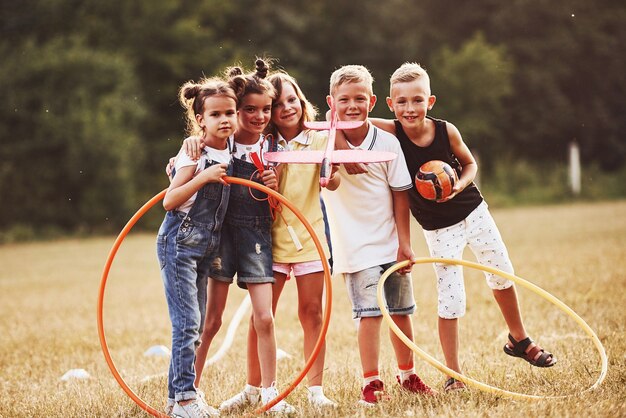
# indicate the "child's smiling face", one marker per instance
pixel 287 109
pixel 254 112
pixel 353 101
pixel 410 101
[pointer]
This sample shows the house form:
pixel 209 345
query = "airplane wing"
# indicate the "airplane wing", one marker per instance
pixel 361 156
pixel 302 157
pixel 349 124
pixel 325 126
pixel 337 156
pixel 318 126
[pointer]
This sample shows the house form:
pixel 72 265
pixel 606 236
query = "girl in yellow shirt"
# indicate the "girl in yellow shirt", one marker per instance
pixel 298 255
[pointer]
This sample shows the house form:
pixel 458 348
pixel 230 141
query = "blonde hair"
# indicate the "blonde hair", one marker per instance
pixel 192 96
pixel 278 79
pixel 351 74
pixel 409 71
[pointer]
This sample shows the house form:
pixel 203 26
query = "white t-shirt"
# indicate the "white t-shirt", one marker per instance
pixel 243 151
pixel 208 155
pixel 360 211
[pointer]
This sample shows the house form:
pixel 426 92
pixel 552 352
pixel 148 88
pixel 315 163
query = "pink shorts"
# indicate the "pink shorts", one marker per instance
pixel 298 269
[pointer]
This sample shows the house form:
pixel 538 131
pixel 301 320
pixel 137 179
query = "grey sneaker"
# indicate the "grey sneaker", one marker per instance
pixel 282 407
pixel 250 396
pixel 194 409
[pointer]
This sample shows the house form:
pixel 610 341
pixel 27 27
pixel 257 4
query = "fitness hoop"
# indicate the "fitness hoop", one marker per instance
pixel 133 220
pixel 467 380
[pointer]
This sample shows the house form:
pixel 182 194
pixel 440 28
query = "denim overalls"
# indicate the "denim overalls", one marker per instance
pixel 186 244
pixel 246 245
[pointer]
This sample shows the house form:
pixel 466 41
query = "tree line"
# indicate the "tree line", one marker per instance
pixel 89 112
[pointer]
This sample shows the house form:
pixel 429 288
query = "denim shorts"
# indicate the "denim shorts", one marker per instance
pixel 245 251
pixel 363 285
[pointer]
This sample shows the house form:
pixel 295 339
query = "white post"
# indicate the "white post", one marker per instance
pixel 574 167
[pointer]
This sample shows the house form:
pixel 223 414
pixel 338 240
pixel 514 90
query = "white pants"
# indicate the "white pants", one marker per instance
pixel 480 232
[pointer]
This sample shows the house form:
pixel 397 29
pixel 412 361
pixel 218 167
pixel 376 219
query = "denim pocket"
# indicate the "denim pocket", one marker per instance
pixel 212 191
pixel 193 236
pixel 161 249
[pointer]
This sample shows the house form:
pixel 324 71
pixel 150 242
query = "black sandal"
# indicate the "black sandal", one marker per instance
pixel 452 385
pixel 518 349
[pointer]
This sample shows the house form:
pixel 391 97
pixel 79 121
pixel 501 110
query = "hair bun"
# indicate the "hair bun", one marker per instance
pixel 261 68
pixel 191 90
pixel 234 72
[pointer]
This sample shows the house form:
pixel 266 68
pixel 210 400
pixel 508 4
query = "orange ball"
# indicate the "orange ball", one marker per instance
pixel 435 179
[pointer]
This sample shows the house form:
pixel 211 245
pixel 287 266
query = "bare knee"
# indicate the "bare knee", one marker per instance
pixel 310 315
pixel 212 325
pixel 263 323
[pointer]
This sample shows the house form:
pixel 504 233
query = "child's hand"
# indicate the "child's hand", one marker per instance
pixel 193 147
pixel 355 168
pixel 270 179
pixel 213 173
pixel 405 253
pixel 456 189
pixel 169 168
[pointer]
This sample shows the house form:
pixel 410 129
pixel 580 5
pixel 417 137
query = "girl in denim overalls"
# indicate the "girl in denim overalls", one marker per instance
pixel 189 236
pixel 246 244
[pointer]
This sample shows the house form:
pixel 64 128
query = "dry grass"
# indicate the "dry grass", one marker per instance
pixel 48 326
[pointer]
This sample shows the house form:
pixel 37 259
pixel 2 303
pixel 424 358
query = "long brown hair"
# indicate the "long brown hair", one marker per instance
pixel 278 79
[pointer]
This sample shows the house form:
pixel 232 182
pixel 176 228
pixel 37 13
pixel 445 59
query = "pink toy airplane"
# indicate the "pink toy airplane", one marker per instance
pixel 330 156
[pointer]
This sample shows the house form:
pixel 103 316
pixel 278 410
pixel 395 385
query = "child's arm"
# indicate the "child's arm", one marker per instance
pixel 384 124
pixel 192 146
pixel 184 184
pixel 401 216
pixel 469 168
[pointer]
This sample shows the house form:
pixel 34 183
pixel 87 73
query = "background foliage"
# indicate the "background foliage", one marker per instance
pixel 89 114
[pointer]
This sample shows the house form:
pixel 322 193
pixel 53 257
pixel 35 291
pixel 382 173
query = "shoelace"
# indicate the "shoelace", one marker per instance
pixel 198 411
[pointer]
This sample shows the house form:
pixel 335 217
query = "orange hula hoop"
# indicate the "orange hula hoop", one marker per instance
pixel 120 238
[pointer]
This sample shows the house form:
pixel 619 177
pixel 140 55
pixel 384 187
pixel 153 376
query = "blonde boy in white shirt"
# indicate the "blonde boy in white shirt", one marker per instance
pixel 369 217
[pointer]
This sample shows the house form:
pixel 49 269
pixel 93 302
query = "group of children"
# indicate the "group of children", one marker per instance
pixel 213 230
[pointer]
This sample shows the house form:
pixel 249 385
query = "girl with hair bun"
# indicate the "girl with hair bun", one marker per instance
pixel 300 184
pixel 246 246
pixel 188 239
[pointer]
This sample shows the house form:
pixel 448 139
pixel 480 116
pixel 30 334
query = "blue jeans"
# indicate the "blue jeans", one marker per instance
pixel 186 244
pixel 184 270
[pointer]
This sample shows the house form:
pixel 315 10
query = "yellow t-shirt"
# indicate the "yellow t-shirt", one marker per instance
pixel 299 183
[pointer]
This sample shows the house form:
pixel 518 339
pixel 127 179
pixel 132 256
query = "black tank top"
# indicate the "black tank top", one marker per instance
pixel 432 215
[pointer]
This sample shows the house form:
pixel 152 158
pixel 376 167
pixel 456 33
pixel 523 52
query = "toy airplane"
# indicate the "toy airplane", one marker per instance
pixel 330 156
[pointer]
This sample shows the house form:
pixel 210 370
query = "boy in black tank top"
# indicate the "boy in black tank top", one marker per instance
pixel 450 225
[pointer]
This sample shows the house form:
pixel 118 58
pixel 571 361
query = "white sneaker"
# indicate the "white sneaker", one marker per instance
pixel 194 409
pixel 169 407
pixel 317 398
pixel 250 396
pixel 282 407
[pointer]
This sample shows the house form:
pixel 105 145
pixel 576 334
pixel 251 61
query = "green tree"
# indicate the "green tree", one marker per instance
pixel 69 121
pixel 471 85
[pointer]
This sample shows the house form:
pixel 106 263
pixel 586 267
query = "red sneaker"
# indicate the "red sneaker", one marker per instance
pixel 373 393
pixel 414 384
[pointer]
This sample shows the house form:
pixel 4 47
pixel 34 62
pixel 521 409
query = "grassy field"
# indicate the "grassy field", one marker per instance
pixel 576 252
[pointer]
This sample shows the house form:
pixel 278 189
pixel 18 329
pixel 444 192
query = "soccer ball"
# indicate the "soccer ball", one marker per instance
pixel 435 179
